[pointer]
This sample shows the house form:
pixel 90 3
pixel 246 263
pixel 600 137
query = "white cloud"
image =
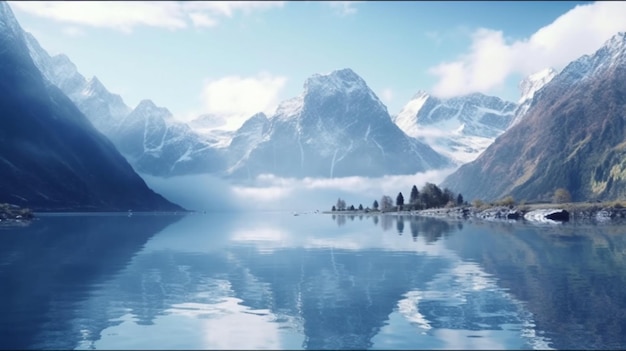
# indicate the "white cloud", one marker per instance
pixel 492 58
pixel 126 15
pixel 202 20
pixel 269 192
pixel 387 95
pixel 238 98
pixel 344 8
pixel 74 31
pixel 277 193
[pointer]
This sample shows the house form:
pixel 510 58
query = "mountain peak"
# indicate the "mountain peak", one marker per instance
pixel 148 108
pixel 146 104
pixel 420 95
pixel 344 80
pixel 7 19
pixel 616 42
pixel 531 84
pixel 95 86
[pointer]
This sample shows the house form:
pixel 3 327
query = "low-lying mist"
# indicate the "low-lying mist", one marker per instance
pixel 270 193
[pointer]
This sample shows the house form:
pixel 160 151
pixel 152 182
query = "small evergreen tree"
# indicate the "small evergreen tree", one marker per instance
pixel 415 195
pixel 375 205
pixel 360 207
pixel 459 199
pixel 334 208
pixel 400 201
pixel 341 204
pixel 351 208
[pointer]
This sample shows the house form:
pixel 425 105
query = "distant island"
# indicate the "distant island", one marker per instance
pixel 432 201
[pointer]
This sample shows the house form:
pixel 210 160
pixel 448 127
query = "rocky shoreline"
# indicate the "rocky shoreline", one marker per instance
pixel 14 214
pixel 541 214
pixel 532 213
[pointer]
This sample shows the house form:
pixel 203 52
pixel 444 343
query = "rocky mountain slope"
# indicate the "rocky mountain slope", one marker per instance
pixel 51 156
pixel 572 137
pixel 148 136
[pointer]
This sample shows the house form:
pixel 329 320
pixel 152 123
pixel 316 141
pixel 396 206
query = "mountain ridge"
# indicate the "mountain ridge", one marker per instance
pixel 571 137
pixel 51 156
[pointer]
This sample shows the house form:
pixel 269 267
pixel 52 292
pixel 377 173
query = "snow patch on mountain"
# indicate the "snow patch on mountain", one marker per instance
pixel 407 118
pixel 529 85
pixel 337 127
pixel 461 127
pixel 289 108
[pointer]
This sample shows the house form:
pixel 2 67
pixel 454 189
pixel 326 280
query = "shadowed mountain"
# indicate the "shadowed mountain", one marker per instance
pixel 51 156
pixel 571 137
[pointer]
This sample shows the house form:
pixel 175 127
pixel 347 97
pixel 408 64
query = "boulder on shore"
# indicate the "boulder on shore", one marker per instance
pixel 548 215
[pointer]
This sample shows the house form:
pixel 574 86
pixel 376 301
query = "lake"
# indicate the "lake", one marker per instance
pixel 315 281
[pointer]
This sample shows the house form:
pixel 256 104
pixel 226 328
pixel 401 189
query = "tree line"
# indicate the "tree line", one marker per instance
pixel 430 196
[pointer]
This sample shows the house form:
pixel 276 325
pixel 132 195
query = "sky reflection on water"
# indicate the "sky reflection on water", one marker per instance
pixel 314 281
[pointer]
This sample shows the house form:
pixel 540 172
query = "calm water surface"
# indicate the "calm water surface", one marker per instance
pixel 313 281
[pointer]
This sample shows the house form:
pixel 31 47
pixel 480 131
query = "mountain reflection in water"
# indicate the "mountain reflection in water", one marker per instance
pixel 277 281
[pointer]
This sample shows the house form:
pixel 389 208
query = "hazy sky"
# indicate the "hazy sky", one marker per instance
pixel 238 58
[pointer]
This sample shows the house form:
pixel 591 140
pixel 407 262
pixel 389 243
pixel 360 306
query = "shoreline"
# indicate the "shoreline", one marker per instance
pixel 533 213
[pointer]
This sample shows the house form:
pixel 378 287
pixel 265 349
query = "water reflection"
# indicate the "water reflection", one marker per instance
pixel 278 281
pixel 432 228
pixel 55 262
pixel 276 287
pixel 570 277
pixel 400 225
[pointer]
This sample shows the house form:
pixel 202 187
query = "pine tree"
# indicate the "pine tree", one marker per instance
pixel 400 201
pixel 459 199
pixel 415 195
pixel 375 205
pixel 360 207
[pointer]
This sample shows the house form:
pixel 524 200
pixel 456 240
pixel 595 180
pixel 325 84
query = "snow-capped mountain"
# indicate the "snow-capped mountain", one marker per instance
pixel 208 125
pixel 247 138
pixel 148 136
pixel 528 87
pixel 104 109
pixel 337 127
pixel 51 157
pixel 572 137
pixel 157 144
pixel 460 127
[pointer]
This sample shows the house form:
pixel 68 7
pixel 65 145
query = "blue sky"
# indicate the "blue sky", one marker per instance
pixel 237 58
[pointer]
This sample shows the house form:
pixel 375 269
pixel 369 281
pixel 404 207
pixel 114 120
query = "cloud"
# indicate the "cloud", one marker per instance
pixel 74 31
pixel 126 15
pixel 387 95
pixel 202 20
pixel 344 8
pixel 238 98
pixel 269 192
pixel 492 58
pixel 277 193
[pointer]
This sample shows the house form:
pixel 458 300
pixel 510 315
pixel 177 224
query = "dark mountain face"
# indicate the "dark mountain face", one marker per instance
pixel 573 136
pixel 51 157
pixel 336 128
